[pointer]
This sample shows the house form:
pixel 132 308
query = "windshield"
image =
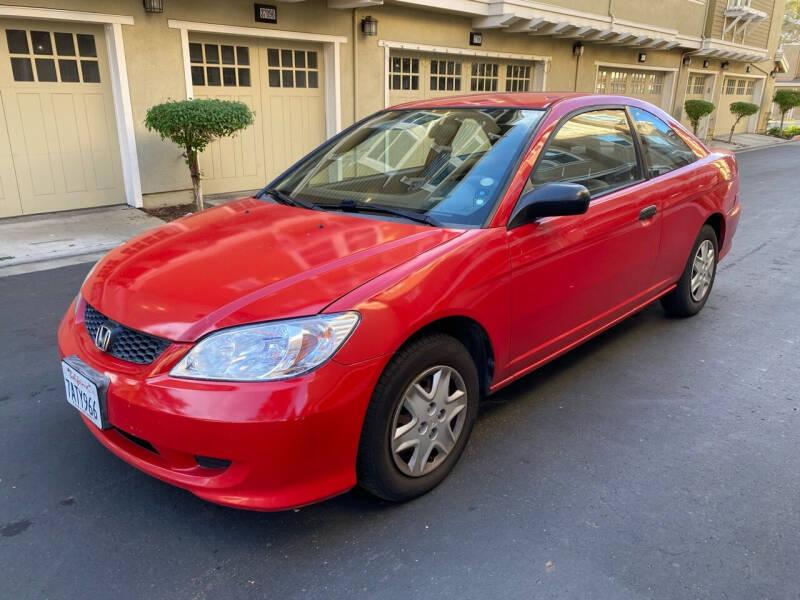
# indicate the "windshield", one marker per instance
pixel 449 164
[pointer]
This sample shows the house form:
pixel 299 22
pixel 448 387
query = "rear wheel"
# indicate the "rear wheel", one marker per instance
pixel 419 418
pixel 695 284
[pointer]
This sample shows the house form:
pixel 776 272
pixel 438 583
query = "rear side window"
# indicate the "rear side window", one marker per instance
pixel 663 149
pixel 594 149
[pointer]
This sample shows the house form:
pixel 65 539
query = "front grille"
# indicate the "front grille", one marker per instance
pixel 126 344
pixel 137 440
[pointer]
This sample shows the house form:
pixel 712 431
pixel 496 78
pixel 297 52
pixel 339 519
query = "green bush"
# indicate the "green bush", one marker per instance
pixel 786 100
pixel 696 110
pixel 194 124
pixel 787 133
pixel 741 110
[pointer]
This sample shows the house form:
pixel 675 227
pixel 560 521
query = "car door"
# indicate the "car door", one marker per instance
pixel 572 275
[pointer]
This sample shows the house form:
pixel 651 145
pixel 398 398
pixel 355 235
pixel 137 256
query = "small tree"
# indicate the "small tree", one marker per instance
pixel 194 124
pixel 741 110
pixel 696 110
pixel 786 100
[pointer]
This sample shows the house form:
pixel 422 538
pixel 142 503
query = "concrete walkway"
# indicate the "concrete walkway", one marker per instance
pixel 746 141
pixel 37 242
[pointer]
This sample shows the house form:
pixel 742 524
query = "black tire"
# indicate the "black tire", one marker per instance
pixel 680 302
pixel 376 468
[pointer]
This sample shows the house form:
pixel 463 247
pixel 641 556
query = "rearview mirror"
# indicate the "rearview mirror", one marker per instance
pixel 550 200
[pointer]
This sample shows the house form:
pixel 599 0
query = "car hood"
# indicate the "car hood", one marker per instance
pixel 246 261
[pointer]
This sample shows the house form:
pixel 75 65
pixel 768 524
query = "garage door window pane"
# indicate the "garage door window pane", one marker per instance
pixel 198 76
pixel 312 61
pixel 41 42
pixel 272 57
pixel 212 54
pixel 229 76
pixel 730 86
pixel 243 55
pixel 244 77
pixel 299 59
pixel 46 69
pixel 227 55
pixel 664 150
pixel 286 58
pixel 65 44
pixel 22 69
pixel 212 75
pixel 68 70
pixel 313 79
pixel 594 149
pixel 90 71
pixel 300 79
pixel 196 53
pixel 86 46
pixel 274 78
pixel 287 78
pixel 17 41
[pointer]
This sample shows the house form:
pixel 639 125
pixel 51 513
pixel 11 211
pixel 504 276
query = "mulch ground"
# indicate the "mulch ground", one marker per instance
pixel 170 213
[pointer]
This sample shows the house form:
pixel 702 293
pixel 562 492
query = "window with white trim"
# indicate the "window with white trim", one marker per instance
pixel 445 75
pixel 288 68
pixel 403 73
pixel 518 78
pixel 617 82
pixel 655 83
pixel 484 77
pixel 220 64
pixel 696 84
pixel 57 56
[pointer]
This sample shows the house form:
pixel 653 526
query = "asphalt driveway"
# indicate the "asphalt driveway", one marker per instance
pixel 660 460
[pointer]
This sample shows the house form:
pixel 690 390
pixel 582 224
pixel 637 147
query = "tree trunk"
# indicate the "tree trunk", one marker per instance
pixel 694 127
pixel 194 170
pixel 780 131
pixel 735 123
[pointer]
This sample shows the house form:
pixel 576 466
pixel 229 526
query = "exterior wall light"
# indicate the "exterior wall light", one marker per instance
pixel 577 49
pixel 153 6
pixel 705 64
pixel 369 26
pixel 642 57
pixel 724 65
pixel 747 69
pixel 687 60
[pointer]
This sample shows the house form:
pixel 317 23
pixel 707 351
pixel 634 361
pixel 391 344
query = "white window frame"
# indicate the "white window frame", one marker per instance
pixel 540 66
pixel 120 92
pixel 670 79
pixel 330 51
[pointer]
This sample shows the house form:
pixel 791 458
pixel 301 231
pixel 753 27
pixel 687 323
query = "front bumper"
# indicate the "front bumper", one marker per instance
pixel 289 442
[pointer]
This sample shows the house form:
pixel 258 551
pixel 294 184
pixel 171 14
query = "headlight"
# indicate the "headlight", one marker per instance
pixel 267 351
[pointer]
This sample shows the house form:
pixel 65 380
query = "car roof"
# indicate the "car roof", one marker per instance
pixel 498 100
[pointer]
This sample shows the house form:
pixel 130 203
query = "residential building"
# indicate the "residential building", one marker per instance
pixel 77 76
pixel 788 79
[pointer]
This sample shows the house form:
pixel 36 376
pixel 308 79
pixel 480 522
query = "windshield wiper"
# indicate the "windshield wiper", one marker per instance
pixel 284 198
pixel 353 206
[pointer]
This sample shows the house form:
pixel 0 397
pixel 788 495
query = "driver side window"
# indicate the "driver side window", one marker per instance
pixel 594 149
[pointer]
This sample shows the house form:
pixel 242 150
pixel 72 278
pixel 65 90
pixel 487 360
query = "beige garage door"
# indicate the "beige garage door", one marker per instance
pixel 646 85
pixel 282 82
pixel 417 76
pixel 698 87
pixel 58 139
pixel 734 89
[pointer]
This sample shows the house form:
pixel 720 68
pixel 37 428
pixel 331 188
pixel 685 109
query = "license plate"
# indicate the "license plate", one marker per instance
pixel 86 390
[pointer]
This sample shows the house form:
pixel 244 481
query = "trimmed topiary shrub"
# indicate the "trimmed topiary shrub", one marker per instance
pixel 741 110
pixel 194 124
pixel 786 100
pixel 696 110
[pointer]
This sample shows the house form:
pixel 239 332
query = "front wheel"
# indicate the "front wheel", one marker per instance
pixel 419 418
pixel 695 284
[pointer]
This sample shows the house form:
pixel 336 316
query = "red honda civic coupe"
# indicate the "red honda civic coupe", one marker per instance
pixel 341 326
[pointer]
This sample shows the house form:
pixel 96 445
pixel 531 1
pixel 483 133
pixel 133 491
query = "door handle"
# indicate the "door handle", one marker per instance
pixel 647 212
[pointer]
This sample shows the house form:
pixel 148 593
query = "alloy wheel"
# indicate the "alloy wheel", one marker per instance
pixel 428 421
pixel 702 270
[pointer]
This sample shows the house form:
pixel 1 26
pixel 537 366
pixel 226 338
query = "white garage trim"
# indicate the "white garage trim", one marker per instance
pixel 330 48
pixel 671 75
pixel 539 69
pixel 119 82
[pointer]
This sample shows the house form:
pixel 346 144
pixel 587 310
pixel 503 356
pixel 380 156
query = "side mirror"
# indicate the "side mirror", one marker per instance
pixel 550 200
